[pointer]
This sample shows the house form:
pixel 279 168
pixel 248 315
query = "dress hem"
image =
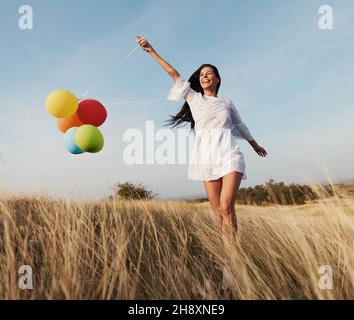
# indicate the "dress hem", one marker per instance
pixel 244 176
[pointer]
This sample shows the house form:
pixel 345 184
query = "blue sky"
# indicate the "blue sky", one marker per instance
pixel 291 82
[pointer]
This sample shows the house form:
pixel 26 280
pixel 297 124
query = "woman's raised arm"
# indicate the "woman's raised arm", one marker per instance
pixel 146 46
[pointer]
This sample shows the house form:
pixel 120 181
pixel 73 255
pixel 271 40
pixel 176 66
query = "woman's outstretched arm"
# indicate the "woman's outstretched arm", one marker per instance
pixel 146 46
pixel 241 126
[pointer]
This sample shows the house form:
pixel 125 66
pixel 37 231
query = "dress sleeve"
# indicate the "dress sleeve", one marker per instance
pixel 181 89
pixel 240 129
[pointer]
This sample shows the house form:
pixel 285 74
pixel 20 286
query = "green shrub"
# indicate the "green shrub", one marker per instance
pixel 128 190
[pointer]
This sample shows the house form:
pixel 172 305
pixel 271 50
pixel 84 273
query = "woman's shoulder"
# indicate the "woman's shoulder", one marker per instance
pixel 227 100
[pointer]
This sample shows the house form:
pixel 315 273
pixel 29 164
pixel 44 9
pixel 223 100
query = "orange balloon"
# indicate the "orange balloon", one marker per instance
pixel 67 123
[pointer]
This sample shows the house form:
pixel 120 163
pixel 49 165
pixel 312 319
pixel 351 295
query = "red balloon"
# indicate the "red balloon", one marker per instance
pixel 92 112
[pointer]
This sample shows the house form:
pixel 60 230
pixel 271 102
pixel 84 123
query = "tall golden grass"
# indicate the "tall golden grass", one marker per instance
pixel 120 249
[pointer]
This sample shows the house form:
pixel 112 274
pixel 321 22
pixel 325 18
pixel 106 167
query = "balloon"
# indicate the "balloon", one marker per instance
pixel 61 104
pixel 89 138
pixel 69 141
pixel 92 112
pixel 67 123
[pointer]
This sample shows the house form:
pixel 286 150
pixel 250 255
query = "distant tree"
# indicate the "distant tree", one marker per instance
pixel 128 190
pixel 278 193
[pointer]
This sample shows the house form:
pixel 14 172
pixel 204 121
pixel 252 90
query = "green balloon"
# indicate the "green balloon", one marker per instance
pixel 89 138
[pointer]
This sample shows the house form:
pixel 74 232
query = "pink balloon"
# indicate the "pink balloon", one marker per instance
pixel 92 112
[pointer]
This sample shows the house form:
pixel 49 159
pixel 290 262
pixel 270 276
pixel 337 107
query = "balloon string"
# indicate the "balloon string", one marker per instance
pixel 115 66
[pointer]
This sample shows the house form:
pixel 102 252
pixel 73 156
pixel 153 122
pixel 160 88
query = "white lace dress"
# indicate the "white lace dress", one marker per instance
pixel 217 127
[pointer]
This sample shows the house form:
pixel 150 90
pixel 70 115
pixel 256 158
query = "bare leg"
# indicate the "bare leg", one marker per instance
pixel 213 189
pixel 230 186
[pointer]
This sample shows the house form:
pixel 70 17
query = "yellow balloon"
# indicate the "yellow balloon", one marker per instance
pixel 61 104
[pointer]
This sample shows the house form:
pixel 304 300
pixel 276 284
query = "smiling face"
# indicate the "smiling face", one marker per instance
pixel 208 79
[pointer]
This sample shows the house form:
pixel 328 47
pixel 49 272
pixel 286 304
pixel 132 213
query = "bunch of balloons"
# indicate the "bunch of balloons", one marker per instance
pixel 78 120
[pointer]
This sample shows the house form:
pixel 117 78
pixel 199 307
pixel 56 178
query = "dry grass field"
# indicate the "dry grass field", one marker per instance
pixel 120 249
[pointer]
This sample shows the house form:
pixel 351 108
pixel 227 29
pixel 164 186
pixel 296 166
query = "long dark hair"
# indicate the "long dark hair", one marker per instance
pixel 185 114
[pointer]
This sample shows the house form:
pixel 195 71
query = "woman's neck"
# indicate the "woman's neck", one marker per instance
pixel 209 93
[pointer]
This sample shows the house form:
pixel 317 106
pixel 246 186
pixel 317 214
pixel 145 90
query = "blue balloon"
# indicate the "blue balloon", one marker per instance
pixel 69 141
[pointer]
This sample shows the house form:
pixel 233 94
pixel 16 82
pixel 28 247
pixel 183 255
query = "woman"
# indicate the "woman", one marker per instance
pixel 217 124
